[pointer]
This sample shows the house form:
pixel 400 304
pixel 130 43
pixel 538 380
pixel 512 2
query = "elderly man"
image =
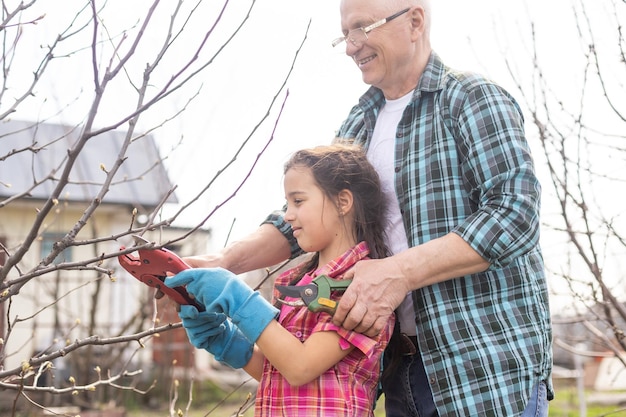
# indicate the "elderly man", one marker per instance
pixel 466 277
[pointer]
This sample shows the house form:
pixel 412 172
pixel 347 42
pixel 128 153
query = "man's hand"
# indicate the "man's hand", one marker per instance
pixel 377 289
pixel 213 260
pixel 380 285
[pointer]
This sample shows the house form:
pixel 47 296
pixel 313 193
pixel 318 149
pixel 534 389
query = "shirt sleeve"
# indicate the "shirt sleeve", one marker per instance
pixel 499 168
pixel 277 219
pixel 367 345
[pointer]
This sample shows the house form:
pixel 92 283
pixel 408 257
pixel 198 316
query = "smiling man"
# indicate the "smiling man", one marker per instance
pixel 466 278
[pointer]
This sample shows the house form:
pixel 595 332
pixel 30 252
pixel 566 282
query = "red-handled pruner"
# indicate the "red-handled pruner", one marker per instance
pixel 152 267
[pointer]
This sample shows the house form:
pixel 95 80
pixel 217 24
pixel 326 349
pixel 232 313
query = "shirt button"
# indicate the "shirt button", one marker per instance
pixel 298 335
pixel 400 134
pixel 397 169
pixel 432 380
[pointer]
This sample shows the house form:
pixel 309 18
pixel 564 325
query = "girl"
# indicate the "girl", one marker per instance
pixel 305 365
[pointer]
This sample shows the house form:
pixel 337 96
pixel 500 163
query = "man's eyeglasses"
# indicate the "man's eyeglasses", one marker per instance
pixel 359 35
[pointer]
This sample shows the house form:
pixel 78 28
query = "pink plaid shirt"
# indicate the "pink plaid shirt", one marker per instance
pixel 347 389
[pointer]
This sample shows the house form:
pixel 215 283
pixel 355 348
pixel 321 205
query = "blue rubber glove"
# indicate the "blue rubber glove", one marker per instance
pixel 220 291
pixel 201 326
pixel 217 335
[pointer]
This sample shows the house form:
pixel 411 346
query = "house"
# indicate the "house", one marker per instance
pixel 59 305
pixel 589 346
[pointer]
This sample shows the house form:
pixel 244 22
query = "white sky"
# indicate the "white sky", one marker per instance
pixel 235 91
pixel 323 87
pixel 474 36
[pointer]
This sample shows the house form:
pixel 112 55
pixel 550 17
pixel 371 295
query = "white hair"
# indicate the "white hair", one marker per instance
pixel 395 5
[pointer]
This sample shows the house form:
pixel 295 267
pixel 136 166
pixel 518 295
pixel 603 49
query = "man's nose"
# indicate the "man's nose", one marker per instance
pixel 351 49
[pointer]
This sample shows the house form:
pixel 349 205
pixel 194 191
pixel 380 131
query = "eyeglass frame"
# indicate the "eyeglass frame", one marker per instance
pixel 368 29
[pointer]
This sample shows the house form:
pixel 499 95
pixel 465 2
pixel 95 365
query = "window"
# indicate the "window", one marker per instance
pixel 47 243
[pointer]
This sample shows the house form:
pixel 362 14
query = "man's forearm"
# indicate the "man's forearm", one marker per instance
pixel 439 260
pixel 263 248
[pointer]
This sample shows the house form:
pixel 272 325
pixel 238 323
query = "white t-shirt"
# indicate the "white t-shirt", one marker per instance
pixel 381 153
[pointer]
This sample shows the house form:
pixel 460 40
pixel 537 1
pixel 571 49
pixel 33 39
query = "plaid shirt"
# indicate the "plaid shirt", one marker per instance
pixel 347 389
pixel 463 166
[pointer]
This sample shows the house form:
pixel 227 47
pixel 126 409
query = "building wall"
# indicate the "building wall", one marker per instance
pixel 58 308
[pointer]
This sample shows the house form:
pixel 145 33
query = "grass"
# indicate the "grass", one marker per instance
pixel 222 410
pixel 206 404
pixel 566 404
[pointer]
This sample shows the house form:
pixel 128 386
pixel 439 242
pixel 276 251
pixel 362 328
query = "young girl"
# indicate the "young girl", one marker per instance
pixel 306 366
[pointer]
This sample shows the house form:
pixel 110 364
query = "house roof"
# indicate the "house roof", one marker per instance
pixel 30 152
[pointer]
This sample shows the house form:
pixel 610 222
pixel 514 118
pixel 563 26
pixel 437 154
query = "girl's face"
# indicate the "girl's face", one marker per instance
pixel 314 218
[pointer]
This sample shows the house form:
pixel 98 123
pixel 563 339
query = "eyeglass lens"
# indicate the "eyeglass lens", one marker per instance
pixel 357 36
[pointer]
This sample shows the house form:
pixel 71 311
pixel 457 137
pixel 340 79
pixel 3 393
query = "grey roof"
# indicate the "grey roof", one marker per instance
pixel 30 152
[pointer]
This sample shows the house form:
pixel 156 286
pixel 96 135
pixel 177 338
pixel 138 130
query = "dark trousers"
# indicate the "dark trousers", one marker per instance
pixel 407 392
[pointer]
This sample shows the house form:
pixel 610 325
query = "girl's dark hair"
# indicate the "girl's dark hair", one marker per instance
pixel 340 167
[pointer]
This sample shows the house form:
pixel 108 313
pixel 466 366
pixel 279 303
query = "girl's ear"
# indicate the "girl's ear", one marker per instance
pixel 344 201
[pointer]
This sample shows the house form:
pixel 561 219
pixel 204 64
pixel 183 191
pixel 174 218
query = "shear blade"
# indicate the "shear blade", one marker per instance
pixel 139 240
pixel 290 291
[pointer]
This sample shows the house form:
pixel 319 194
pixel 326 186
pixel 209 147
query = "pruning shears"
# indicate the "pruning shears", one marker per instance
pixel 316 295
pixel 152 266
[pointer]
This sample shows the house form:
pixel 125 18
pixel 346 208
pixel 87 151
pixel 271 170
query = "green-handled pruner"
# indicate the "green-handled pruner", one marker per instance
pixel 316 295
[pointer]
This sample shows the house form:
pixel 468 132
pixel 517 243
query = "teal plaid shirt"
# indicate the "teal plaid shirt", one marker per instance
pixel 463 166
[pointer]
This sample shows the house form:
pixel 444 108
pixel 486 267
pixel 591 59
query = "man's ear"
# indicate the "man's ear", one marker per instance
pixel 344 201
pixel 418 19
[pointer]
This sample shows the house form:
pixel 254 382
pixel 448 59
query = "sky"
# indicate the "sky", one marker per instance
pixel 487 36
pixel 234 93
pixel 324 85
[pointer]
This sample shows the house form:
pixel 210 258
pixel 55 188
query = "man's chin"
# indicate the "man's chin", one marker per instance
pixel 368 79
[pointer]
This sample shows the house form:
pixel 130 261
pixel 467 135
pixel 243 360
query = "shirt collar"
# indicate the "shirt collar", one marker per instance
pixel 432 79
pixel 341 264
